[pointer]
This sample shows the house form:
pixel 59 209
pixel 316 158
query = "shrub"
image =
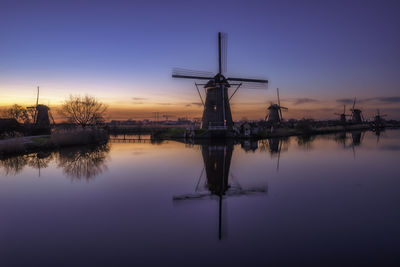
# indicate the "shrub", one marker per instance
pixel 78 136
pixel 12 146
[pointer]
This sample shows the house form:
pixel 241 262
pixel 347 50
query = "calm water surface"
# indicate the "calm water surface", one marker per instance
pixel 326 200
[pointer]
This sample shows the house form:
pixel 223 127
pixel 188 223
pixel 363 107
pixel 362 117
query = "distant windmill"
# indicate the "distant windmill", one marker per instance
pixel 356 114
pixel 378 120
pixel 343 115
pixel 217 112
pixel 275 112
pixel 40 115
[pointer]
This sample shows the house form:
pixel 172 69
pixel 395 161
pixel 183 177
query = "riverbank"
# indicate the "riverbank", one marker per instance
pixel 57 139
pixel 255 133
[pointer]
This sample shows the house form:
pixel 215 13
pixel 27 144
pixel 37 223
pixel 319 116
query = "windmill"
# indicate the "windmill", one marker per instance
pixel 343 115
pixel 275 112
pixel 356 114
pixel 217 112
pixel 378 119
pixel 41 116
pixel 217 160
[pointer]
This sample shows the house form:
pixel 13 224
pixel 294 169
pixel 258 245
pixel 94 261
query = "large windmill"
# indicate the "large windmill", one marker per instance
pixel 217 112
pixel 356 114
pixel 275 112
pixel 343 115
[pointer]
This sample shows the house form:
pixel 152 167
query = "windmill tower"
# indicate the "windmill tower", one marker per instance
pixel 217 112
pixel 356 114
pixel 378 119
pixel 275 112
pixel 41 116
pixel 343 115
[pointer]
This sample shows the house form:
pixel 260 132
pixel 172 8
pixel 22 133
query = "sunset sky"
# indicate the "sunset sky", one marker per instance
pixel 321 54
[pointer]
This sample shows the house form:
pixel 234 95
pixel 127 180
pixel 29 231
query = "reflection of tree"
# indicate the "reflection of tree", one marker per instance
pixel 86 162
pixel 305 141
pixel 39 160
pixel 13 165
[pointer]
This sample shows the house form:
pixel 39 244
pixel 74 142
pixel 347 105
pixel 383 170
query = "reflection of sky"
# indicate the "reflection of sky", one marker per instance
pixel 121 50
pixel 322 196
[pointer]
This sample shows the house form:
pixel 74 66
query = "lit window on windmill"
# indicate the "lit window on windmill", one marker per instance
pixel 215 107
pixel 215 166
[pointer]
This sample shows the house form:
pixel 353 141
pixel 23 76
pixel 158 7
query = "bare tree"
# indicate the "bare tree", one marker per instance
pixel 16 112
pixel 83 111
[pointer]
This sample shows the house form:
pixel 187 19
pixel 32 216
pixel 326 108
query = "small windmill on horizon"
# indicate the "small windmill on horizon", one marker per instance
pixel 356 114
pixel 274 115
pixel 343 115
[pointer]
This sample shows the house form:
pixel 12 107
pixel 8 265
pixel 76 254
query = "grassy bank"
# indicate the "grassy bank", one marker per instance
pixel 57 139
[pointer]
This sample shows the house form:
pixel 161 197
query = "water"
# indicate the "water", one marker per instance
pixel 325 200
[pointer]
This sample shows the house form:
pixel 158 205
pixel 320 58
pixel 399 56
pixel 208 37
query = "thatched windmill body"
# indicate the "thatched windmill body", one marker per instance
pixel 356 114
pixel 274 115
pixel 217 112
pixel 41 116
pixel 378 119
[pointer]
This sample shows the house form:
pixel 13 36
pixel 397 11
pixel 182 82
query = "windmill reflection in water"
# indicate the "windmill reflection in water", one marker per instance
pixel 217 161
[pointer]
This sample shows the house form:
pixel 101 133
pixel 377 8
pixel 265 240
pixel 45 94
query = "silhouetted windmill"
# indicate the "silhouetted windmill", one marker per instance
pixel 343 115
pixel 275 111
pixel 41 116
pixel 356 114
pixel 217 112
pixel 378 120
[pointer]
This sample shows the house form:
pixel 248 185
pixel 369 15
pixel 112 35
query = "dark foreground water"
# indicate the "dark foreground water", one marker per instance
pixel 326 200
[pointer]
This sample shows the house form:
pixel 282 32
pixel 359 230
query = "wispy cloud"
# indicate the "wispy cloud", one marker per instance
pixel 345 100
pixel 391 99
pixel 198 104
pixel 139 98
pixel 385 100
pixel 299 101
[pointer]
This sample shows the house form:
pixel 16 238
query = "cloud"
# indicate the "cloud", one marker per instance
pixel 299 101
pixel 345 100
pixel 139 98
pixel 385 100
pixel 391 99
pixel 198 104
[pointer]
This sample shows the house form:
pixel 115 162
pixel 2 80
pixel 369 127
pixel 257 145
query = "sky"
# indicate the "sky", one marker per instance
pixel 321 54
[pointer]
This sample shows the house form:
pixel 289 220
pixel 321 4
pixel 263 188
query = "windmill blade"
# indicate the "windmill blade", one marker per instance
pixel 247 80
pixel 191 77
pixel 280 112
pixel 284 108
pixel 191 74
pixel 279 155
pixel 222 52
pixel 354 103
pixel 219 53
pixel 248 191
pixel 277 93
pixel 37 96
